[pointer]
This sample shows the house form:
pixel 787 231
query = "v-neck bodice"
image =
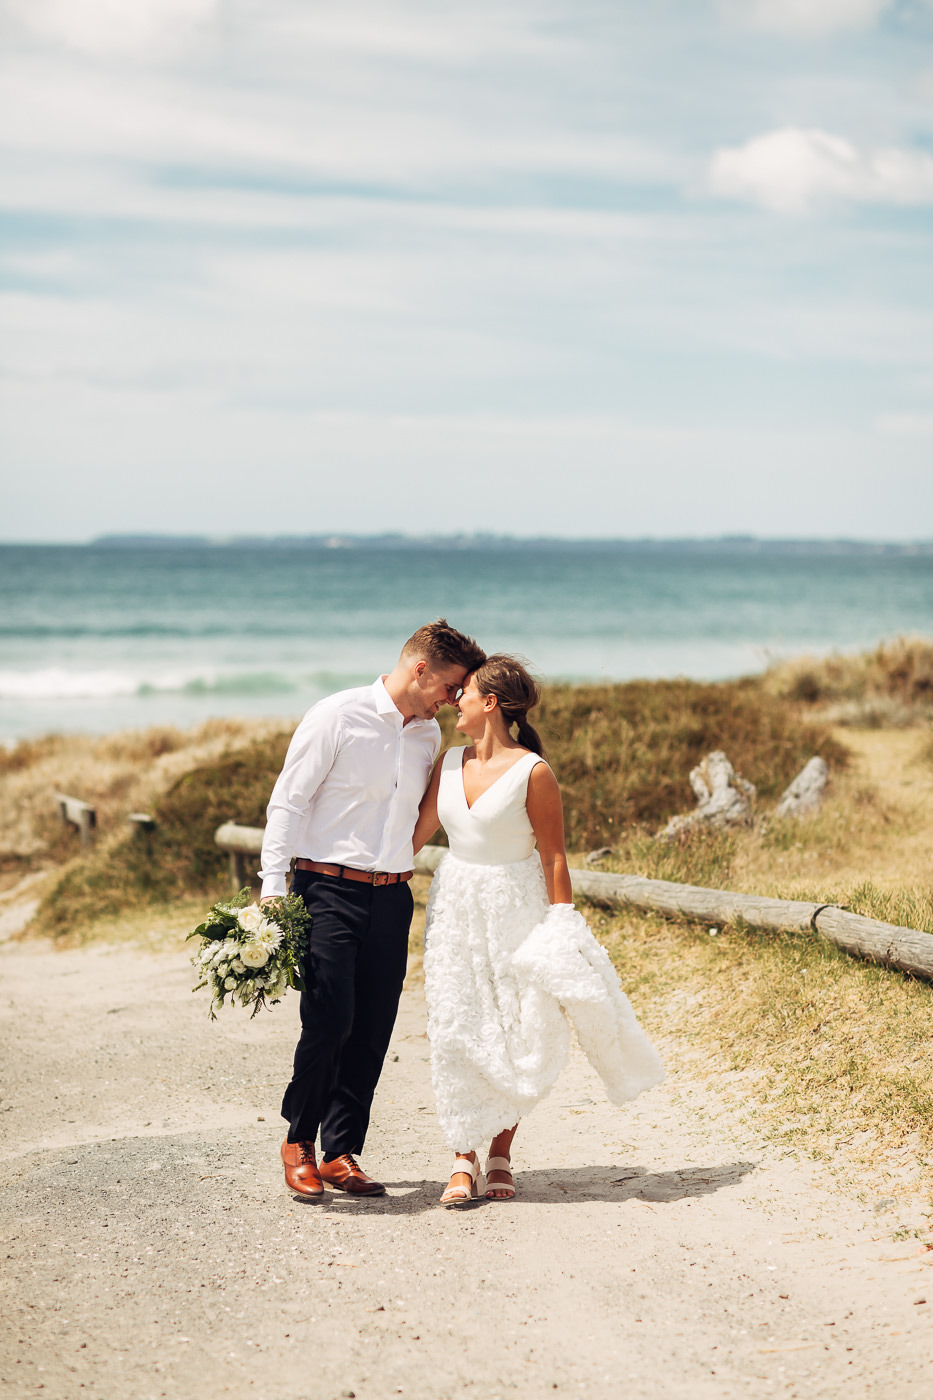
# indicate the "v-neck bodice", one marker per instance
pixel 496 829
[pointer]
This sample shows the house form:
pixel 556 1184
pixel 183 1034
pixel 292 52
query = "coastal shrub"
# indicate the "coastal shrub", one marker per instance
pixel 622 753
pixel 891 685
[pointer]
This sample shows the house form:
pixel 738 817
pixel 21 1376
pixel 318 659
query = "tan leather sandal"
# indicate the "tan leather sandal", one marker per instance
pixel 456 1196
pixel 499 1164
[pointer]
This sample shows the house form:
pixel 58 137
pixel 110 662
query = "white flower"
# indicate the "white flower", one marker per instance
pixel 229 983
pixel 253 920
pixel 218 955
pixel 254 954
pixel 238 965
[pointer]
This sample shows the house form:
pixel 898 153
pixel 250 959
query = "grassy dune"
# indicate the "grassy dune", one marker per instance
pixel 831 1050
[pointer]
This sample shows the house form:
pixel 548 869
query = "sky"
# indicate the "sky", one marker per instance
pixel 592 268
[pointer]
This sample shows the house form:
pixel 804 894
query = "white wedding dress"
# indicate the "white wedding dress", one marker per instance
pixel 505 971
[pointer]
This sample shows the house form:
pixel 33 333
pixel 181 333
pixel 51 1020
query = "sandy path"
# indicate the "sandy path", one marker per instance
pixel 150 1248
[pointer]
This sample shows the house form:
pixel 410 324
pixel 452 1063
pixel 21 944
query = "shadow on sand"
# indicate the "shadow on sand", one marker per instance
pixel 564 1186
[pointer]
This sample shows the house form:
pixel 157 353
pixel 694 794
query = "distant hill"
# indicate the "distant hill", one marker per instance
pixel 729 544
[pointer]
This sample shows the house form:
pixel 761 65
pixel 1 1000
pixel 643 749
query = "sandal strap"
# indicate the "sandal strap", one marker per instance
pixel 498 1164
pixel 456 1193
pixel 467 1165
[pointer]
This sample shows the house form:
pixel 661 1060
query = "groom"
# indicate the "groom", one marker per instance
pixel 345 805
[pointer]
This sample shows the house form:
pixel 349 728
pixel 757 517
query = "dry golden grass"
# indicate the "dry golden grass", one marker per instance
pixel 834 1053
pixel 837 1054
pixel 117 774
pixel 871 844
pixel 890 686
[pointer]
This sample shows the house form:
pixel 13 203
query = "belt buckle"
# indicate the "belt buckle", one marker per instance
pixel 380 877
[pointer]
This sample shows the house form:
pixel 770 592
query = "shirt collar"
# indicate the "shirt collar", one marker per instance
pixel 385 705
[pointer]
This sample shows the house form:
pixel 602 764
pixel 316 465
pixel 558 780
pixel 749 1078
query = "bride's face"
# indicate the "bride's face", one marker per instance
pixel 472 708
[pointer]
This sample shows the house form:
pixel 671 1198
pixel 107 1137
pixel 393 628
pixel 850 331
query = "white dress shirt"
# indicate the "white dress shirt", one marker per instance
pixel 350 788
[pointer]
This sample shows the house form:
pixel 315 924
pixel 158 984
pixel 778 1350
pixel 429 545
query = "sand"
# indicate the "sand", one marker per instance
pixel 667 1250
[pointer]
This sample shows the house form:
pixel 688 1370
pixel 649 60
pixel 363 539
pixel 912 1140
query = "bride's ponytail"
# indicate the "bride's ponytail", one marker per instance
pixel 516 691
pixel 528 736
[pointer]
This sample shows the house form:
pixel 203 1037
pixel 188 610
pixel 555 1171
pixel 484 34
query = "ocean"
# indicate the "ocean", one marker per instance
pixel 124 634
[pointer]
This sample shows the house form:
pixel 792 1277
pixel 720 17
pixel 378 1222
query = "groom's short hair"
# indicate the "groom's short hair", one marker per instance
pixel 442 645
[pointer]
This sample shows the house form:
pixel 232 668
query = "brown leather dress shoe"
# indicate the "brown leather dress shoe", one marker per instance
pixel 301 1170
pixel 345 1174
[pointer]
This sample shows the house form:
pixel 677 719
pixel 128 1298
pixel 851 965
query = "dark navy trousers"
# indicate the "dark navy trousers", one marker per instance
pixel 353 975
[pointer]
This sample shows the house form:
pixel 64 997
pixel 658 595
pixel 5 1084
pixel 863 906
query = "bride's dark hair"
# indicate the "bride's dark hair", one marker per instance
pixel 516 691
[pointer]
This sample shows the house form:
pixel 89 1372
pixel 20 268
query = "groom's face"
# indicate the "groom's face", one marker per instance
pixel 435 687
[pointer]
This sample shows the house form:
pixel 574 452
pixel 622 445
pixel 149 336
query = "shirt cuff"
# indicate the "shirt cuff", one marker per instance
pixel 274 887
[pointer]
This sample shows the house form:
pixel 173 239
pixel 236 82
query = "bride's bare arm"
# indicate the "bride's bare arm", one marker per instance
pixel 427 822
pixel 546 814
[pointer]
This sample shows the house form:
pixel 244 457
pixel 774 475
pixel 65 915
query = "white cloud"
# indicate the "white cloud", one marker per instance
pixel 807 18
pixel 793 170
pixel 906 424
pixel 109 26
pixel 51 109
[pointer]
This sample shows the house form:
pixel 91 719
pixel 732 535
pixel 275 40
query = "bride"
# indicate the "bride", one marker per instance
pixel 506 954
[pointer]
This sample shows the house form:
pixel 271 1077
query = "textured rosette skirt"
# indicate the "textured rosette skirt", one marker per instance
pixel 503 971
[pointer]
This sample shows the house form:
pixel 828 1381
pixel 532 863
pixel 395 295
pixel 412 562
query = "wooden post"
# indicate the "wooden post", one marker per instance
pixel 74 812
pixel 238 842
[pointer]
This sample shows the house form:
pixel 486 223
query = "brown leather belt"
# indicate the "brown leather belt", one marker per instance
pixel 346 872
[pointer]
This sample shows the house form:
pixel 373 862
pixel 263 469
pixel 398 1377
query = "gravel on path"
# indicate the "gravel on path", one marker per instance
pixel 663 1252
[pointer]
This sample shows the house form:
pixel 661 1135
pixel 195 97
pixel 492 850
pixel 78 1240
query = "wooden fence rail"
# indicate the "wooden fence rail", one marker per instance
pixel 907 949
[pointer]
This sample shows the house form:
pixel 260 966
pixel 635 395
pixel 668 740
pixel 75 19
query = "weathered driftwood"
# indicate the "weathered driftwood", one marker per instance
pixel 723 798
pixel 74 812
pixel 906 949
pixel 805 794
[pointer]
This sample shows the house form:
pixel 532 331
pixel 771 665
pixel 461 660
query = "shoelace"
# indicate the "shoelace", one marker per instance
pixel 307 1153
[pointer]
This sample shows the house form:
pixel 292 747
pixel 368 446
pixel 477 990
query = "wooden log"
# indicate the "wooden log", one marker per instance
pixel 694 902
pixel 77 813
pixel 906 949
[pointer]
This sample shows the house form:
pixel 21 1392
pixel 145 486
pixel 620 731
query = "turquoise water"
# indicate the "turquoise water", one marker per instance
pixel 97 638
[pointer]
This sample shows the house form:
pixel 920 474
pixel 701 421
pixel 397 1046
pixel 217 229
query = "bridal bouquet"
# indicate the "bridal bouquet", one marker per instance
pixel 251 954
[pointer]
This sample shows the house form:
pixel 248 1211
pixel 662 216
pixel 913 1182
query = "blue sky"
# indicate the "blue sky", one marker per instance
pixel 563 266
